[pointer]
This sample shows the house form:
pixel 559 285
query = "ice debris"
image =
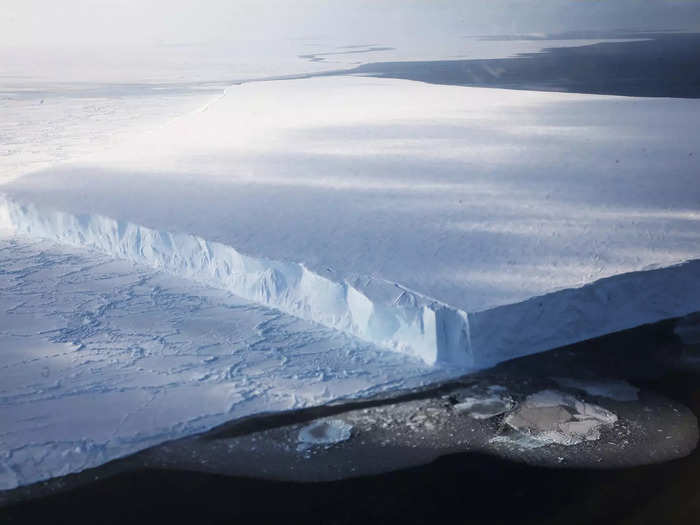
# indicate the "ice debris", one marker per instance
pixel 616 389
pixel 484 407
pixel 425 419
pixel 324 433
pixel 552 417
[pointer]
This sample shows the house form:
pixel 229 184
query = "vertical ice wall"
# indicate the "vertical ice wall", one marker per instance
pixel 377 311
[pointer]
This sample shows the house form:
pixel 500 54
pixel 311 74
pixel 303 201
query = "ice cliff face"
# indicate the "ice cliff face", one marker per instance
pixel 460 225
pixel 377 311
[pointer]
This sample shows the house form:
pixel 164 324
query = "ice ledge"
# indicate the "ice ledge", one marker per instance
pixel 378 311
pixel 569 316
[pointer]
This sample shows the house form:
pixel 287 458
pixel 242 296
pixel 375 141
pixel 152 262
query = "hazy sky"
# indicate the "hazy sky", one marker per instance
pixel 186 21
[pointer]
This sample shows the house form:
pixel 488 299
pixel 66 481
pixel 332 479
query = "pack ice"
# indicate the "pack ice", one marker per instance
pixel 460 225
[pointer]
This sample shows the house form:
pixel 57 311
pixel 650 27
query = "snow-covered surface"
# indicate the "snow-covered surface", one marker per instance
pixel 249 58
pixel 59 103
pixel 100 358
pixel 501 209
pixel 44 123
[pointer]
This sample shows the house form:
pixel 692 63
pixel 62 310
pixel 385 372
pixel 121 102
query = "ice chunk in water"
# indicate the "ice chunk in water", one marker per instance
pixel 553 417
pixel 324 432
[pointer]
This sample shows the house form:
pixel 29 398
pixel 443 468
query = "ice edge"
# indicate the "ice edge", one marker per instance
pixel 410 323
pixel 378 311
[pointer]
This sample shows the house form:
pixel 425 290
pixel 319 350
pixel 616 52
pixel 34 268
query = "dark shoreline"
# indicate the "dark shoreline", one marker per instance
pixel 480 488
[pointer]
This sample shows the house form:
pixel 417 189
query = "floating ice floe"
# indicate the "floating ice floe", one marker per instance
pixel 616 389
pixel 484 407
pixel 553 417
pixel 101 358
pixel 324 433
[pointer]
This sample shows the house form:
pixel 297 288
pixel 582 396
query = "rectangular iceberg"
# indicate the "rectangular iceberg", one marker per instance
pixel 460 225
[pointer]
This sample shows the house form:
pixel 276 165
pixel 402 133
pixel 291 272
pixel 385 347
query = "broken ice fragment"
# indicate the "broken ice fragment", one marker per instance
pixel 616 389
pixel 484 408
pixel 552 417
pixel 325 432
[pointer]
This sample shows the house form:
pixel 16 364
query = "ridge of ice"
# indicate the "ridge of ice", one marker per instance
pixel 411 323
pixel 375 310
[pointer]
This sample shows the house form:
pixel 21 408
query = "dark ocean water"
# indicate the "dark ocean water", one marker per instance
pixel 662 65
